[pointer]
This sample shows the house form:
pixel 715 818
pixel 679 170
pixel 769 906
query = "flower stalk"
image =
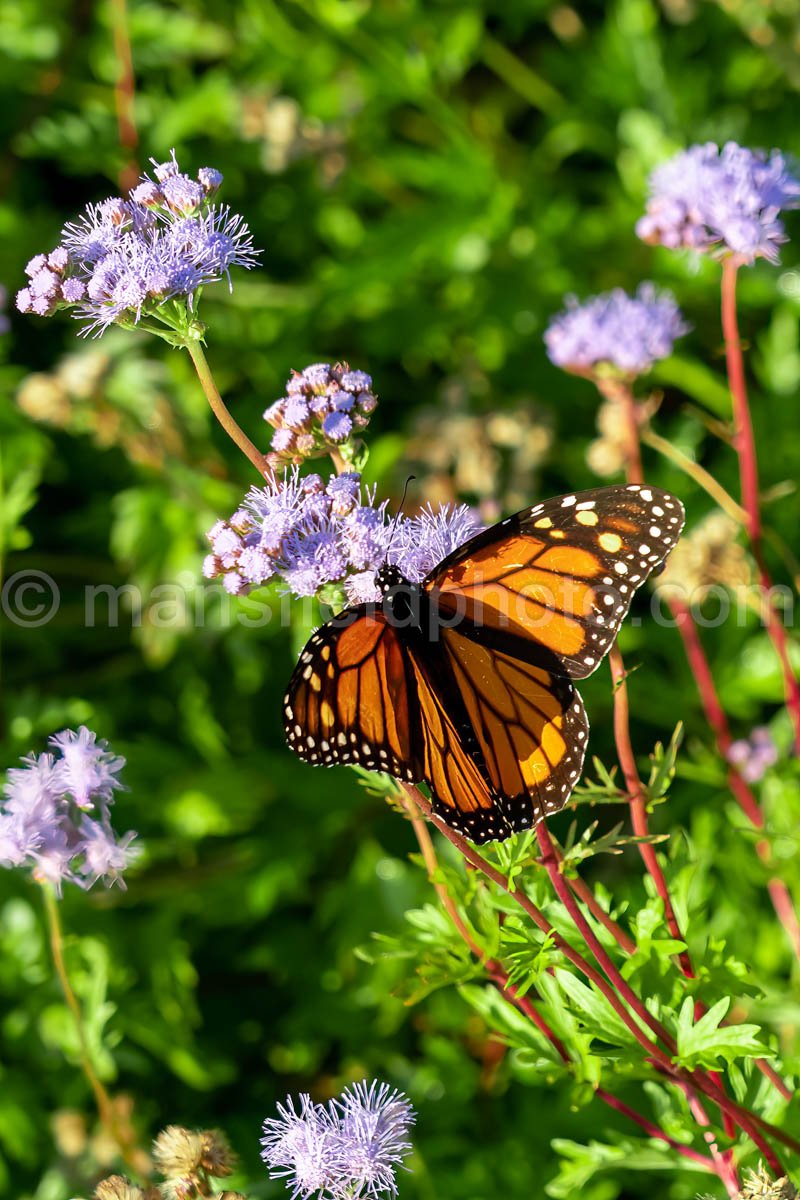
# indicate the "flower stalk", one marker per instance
pixel 524 1004
pixel 744 442
pixel 220 409
pixel 105 1107
pixel 709 699
pixel 611 984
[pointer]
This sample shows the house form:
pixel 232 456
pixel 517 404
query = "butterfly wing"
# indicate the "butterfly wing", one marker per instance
pixel 496 759
pixel 486 711
pixel 561 574
pixel 348 700
pixel 361 695
pixel 526 720
pixel 450 762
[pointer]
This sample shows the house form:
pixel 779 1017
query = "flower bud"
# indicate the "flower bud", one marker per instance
pixel 177 1151
pixel 117 1187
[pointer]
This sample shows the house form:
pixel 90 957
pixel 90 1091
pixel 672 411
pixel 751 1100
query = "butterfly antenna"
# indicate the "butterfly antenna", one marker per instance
pixel 398 514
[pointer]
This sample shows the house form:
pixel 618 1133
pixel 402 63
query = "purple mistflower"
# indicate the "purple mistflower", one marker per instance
pixel 307 532
pixel 55 815
pixel 627 332
pixel 87 770
pixel 422 542
pixel 351 1148
pixel 329 404
pixel 123 258
pixel 724 201
pixel 375 1122
pixel 754 755
pixel 311 534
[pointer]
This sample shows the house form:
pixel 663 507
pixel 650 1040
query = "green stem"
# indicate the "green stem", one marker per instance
pixel 699 474
pixel 234 431
pixel 105 1107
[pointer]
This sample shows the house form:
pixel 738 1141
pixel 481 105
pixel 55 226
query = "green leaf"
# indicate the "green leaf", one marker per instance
pixel 663 761
pixel 703 1042
pixel 594 1009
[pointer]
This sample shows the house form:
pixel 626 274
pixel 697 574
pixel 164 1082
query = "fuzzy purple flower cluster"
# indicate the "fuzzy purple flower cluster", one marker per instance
pixel 754 755
pixel 125 257
pixel 627 332
pixel 55 817
pixel 349 1148
pixel 312 534
pixel 722 201
pixel 324 406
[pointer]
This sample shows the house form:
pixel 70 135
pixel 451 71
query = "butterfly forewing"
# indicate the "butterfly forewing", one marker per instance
pixel 561 574
pixel 348 700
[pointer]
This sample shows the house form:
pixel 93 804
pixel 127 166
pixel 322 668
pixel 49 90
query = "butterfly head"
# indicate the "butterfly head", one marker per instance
pixel 388 577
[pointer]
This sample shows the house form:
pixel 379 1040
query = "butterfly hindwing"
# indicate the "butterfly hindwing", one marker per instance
pixel 529 723
pixel 460 792
pixel 562 573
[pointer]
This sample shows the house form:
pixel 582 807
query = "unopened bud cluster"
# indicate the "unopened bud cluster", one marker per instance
pixel 325 406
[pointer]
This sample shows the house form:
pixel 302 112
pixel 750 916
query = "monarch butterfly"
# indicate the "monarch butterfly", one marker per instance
pixel 465 680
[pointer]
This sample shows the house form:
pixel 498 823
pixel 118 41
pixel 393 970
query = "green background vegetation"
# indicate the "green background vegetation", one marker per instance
pixel 427 180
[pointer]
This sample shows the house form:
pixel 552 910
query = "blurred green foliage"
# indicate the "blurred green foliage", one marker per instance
pixel 427 180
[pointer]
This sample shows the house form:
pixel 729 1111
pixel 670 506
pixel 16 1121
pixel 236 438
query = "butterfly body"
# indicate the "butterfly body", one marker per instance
pixel 464 681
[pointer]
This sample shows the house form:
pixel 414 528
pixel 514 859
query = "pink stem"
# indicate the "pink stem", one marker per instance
pixel 750 1123
pixel 745 445
pixel 638 799
pixel 679 1147
pixel 744 440
pixel 621 393
pixel 715 715
pixel 125 93
pixel 526 1006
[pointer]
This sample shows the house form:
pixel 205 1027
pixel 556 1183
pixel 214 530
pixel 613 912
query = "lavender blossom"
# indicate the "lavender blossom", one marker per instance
pixel 422 542
pixel 314 535
pixel 309 533
pixel 324 407
pixel 55 818
pixel 351 1148
pixel 629 333
pixel 122 259
pixel 753 755
pixel 721 201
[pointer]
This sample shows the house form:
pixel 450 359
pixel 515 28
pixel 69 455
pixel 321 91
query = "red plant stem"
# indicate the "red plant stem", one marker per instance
pixel 638 806
pixel 680 1148
pixel 526 1006
pixel 724 1163
pixel 777 635
pixel 749 1122
pixel 125 94
pixel 587 896
pixel 636 794
pixel 638 799
pixel 715 715
pixel 620 392
pixel 744 442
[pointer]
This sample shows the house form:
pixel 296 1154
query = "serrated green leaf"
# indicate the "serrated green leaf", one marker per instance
pixel 703 1042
